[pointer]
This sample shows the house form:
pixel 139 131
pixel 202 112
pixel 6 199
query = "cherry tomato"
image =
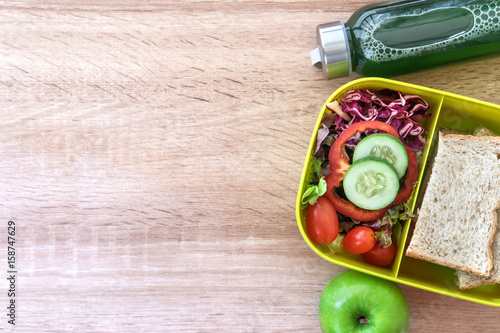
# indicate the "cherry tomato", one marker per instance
pixel 359 240
pixel 322 223
pixel 380 256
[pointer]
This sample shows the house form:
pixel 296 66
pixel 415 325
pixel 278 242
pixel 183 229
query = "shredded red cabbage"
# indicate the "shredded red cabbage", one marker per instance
pixel 398 110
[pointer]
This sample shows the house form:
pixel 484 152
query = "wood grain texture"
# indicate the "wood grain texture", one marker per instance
pixel 150 154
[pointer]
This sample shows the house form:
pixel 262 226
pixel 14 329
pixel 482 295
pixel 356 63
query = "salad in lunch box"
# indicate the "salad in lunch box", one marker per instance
pixel 364 171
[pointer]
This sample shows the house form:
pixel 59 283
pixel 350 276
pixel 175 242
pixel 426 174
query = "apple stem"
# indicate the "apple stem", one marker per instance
pixel 363 320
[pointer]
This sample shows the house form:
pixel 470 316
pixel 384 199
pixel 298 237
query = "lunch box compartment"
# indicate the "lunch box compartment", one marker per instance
pixel 450 111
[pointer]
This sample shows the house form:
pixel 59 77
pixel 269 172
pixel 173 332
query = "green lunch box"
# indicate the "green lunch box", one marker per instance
pixel 448 110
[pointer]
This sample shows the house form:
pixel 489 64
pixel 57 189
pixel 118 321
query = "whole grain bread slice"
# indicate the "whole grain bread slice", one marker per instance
pixel 483 131
pixel 457 221
pixel 467 280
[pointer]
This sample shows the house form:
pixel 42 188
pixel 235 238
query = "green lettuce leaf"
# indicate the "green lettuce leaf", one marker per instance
pixel 336 246
pixel 316 184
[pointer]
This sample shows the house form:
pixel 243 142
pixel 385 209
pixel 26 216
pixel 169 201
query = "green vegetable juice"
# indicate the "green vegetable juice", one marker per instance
pixel 393 38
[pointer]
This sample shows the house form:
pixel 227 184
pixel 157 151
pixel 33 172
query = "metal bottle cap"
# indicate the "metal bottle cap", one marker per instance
pixel 332 54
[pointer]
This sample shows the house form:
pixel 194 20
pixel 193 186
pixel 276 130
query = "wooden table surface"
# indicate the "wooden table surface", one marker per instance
pixel 150 156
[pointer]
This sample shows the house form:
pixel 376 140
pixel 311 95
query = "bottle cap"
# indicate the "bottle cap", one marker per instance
pixel 332 54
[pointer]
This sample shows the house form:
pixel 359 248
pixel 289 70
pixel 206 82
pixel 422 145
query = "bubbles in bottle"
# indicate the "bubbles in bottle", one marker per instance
pixel 485 21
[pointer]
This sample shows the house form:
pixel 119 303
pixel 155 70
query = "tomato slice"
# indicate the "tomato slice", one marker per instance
pixel 380 256
pixel 339 163
pixel 359 240
pixel 322 223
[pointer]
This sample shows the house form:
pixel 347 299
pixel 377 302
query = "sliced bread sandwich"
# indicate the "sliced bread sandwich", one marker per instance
pixel 457 221
pixel 467 280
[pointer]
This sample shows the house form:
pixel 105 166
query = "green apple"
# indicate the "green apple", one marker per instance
pixel 358 302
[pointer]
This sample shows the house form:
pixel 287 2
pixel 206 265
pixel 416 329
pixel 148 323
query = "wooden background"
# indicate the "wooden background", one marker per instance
pixel 150 154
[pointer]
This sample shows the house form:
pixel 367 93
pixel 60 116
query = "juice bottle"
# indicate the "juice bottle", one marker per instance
pixel 393 38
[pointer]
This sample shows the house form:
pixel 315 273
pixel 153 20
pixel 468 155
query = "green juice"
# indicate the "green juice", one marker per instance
pixel 393 38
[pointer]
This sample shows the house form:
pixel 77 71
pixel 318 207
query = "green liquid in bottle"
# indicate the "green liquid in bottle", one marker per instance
pixel 402 37
pixel 416 31
pixel 393 38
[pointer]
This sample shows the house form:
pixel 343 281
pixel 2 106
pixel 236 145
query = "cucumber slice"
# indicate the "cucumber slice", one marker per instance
pixel 371 183
pixel 384 146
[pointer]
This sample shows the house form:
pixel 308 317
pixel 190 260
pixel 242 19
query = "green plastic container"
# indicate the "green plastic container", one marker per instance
pixel 448 110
